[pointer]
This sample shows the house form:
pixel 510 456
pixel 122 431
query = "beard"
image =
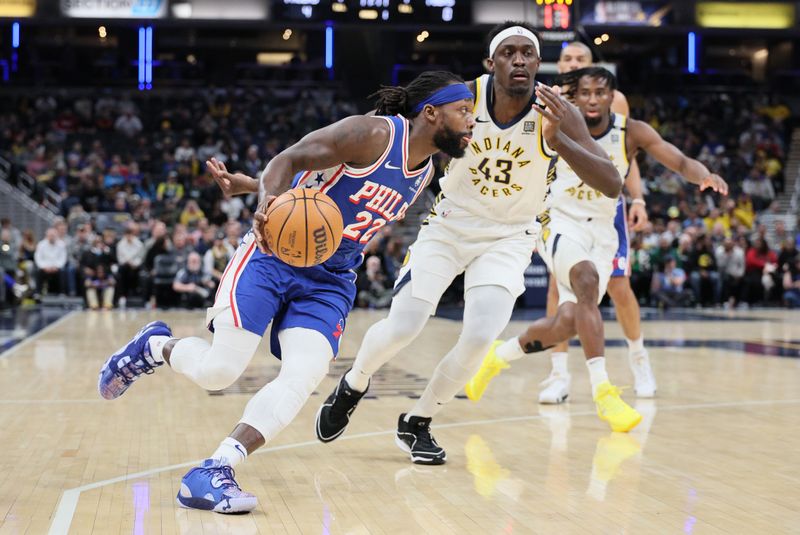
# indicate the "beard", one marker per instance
pixel 591 122
pixel 449 142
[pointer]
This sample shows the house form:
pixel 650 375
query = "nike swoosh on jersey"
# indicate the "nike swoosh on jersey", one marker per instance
pixel 478 120
pixel 388 165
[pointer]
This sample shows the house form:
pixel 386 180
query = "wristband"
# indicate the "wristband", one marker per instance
pixel 639 201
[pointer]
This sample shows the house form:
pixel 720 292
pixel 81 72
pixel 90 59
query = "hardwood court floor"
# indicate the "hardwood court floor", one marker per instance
pixel 717 451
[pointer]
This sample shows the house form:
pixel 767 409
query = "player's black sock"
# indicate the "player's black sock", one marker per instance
pixel 535 347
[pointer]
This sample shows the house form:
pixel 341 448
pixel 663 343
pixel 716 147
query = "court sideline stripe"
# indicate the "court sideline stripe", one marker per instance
pixel 65 510
pixel 38 333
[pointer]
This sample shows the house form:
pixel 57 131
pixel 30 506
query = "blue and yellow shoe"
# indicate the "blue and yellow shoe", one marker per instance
pixel 611 408
pixel 491 366
pixel 130 362
pixel 212 487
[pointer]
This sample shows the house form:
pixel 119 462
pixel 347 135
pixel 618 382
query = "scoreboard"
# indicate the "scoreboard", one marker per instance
pixel 554 14
pixel 395 11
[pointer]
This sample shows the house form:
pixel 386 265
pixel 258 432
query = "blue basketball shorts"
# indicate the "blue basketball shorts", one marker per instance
pixel 621 258
pixel 260 289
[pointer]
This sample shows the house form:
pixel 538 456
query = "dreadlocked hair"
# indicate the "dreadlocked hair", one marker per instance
pixel 399 100
pixel 504 26
pixel 570 79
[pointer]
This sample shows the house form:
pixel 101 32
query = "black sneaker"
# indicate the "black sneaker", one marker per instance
pixel 414 437
pixel 334 415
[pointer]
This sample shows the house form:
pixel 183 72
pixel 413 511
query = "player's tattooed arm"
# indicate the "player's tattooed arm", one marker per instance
pixel 642 136
pixel 565 131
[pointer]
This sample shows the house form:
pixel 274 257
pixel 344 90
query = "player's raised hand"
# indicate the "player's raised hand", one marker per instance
pixel 556 108
pixel 231 184
pixel 259 220
pixel 716 183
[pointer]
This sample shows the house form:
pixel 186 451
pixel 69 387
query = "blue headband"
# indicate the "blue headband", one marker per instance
pixel 445 95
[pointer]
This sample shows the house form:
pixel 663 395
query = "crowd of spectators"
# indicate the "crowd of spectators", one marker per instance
pixel 141 219
pixel 700 249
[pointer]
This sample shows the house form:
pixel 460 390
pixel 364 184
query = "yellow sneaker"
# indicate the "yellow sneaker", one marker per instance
pixel 611 408
pixel 491 366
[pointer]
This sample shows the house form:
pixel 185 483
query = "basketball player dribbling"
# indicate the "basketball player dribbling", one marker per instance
pixel 484 226
pixel 579 240
pixel 555 389
pixel 368 162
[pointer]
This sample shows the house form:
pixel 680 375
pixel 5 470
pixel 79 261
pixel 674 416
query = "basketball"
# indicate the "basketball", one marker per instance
pixel 304 227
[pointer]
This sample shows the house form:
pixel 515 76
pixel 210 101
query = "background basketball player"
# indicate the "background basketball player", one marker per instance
pixel 307 306
pixel 483 226
pixel 555 389
pixel 579 241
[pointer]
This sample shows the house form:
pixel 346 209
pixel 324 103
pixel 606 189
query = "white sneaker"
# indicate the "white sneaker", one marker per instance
pixel 644 380
pixel 554 389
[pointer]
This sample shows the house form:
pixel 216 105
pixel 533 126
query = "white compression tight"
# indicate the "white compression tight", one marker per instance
pixel 217 365
pixel 487 310
pixel 306 355
pixel 384 339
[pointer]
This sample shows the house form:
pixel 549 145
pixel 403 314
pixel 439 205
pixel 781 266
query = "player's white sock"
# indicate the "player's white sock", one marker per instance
pixel 358 380
pixel 636 346
pixel 230 452
pixel 510 350
pixel 157 345
pixel 559 360
pixel 597 371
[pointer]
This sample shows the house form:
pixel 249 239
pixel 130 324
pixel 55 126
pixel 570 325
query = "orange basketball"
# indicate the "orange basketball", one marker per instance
pixel 304 227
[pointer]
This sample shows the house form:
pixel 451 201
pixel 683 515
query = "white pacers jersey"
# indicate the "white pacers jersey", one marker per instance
pixel 502 176
pixel 571 197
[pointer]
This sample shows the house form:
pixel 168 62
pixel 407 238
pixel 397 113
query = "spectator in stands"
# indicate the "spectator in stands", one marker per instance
pixel 730 260
pixel 191 214
pixel 10 288
pixel 668 288
pixel 759 188
pixel 193 284
pixel 70 271
pixel 760 261
pixel 252 163
pixel 233 233
pixel 703 273
pixel 791 283
pixel 128 124
pixel 27 252
pixel 374 290
pixel 170 189
pixel 185 153
pixel 100 286
pixel 787 252
pixel 50 258
pixel 130 255
pixel 181 246
pixel 15 236
pixel 216 258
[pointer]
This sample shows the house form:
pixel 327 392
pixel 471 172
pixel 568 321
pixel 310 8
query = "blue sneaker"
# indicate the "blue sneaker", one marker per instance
pixel 132 360
pixel 211 487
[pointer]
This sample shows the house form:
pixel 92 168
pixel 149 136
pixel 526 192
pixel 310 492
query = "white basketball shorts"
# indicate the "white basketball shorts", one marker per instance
pixel 565 242
pixel 453 240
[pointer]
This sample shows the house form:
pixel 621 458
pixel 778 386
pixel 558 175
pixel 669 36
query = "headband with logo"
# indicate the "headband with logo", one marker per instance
pixel 508 32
